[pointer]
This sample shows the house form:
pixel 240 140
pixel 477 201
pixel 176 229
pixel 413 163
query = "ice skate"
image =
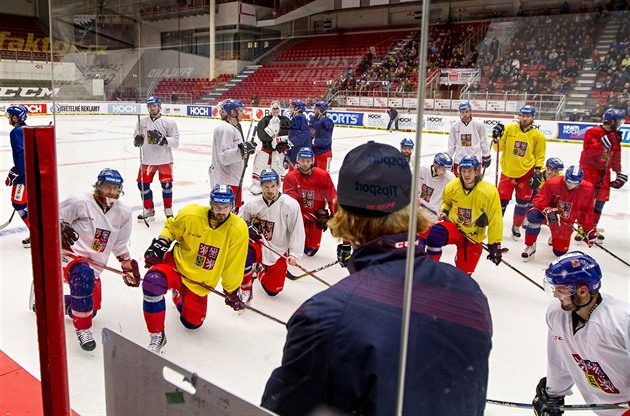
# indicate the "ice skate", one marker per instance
pixel 529 253
pixel 516 232
pixel 148 214
pixel 86 339
pixel 550 241
pixel 168 212
pixel 26 243
pixel 157 342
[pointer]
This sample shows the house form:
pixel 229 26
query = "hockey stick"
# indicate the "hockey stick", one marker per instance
pixel 296 265
pixel 603 248
pixel 621 405
pixel 291 276
pixel 6 224
pixel 144 218
pixel 210 288
pixel 240 181
pixel 496 174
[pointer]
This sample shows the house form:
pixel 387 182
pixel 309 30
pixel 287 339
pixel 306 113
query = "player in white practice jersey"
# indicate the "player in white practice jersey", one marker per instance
pixel 156 136
pixel 468 137
pixel 275 222
pixel 93 226
pixel 433 180
pixel 588 342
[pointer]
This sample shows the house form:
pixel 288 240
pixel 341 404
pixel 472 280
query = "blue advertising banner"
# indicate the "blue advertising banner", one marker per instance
pixel 199 110
pixel 575 131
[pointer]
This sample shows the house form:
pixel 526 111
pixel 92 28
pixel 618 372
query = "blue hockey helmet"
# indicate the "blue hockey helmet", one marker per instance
pixel 444 159
pixel 554 163
pixel 154 100
pixel 574 174
pixel 465 106
pixel 112 176
pixel 573 269
pixel 528 109
pixel 406 143
pixel 222 195
pixel 269 175
pixel 469 162
pixel 305 153
pixel 19 111
pixel 232 104
pixel 321 106
pixel 301 105
pixel 613 114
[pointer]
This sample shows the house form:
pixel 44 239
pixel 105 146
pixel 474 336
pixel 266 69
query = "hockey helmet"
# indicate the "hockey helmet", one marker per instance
pixel 465 106
pixel 322 106
pixel 222 195
pixel 574 175
pixel 443 159
pixel 111 176
pixel 275 105
pixel 19 111
pixel 573 269
pixel 554 163
pixel 469 162
pixel 301 105
pixel 305 153
pixel 232 104
pixel 528 109
pixel 154 100
pixel 406 143
pixel 269 175
pixel 613 114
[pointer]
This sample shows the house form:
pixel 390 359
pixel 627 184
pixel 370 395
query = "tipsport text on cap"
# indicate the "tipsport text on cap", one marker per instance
pixel 387 191
pixel 389 161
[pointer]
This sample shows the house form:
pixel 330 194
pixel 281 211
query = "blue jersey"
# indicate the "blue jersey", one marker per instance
pixel 299 136
pixel 17 148
pixel 322 135
pixel 343 344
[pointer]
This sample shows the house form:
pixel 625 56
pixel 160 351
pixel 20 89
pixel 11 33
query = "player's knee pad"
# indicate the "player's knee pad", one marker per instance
pixel 599 206
pixel 145 189
pixel 437 237
pixel 535 217
pixel 252 256
pixel 310 251
pixel 81 279
pixel 504 204
pixel 268 291
pixel 521 206
pixel 167 187
pixel 187 324
pixel 154 283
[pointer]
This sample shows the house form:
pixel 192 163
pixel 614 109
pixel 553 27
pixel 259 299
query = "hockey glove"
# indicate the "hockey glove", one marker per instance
pixel 321 219
pixel 495 253
pixel 497 132
pixel 138 140
pixel 552 215
pixel 247 148
pixel 344 251
pixel 234 300
pixel 485 161
pixel 13 176
pixel 156 252
pixel 544 405
pixel 590 237
pixel 282 146
pixel 68 235
pixel 273 127
pixel 155 137
pixel 605 142
pixel 536 179
pixel 621 180
pixel 131 272
pixel 255 232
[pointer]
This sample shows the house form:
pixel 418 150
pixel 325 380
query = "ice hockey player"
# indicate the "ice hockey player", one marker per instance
pixel 406 149
pixel 156 136
pixel 93 226
pixel 342 351
pixel 562 201
pixel 553 167
pixel 314 190
pixel 275 224
pixel 16 178
pixel 601 153
pixel 299 132
pixel 588 335
pixel 522 150
pixel 469 206
pixel 229 150
pixel 432 182
pixel 210 245
pixel 393 118
pixel 468 137
pixel 273 131
pixel 321 127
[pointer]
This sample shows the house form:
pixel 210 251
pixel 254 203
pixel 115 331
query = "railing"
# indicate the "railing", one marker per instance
pixel 550 105
pixel 176 98
pixel 21 56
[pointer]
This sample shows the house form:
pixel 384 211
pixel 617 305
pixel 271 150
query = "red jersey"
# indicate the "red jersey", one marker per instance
pixel 595 156
pixel 572 205
pixel 312 191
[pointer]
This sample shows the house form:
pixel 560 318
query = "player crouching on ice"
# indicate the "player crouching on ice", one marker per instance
pixel 93 226
pixel 210 244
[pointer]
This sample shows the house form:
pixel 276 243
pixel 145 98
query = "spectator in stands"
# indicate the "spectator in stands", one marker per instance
pixel 565 8
pixel 255 100
pixel 575 116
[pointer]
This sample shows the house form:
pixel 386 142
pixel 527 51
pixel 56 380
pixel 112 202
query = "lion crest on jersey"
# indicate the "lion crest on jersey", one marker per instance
pixel 426 192
pixel 464 216
pixel 595 375
pixel 308 198
pixel 465 139
pixel 207 256
pixel 267 229
pixel 564 209
pixel 519 148
pixel 99 242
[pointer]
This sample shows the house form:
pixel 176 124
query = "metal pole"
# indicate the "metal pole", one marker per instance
pixel 411 235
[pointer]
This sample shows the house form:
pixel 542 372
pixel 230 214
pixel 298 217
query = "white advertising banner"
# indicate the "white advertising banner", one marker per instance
pixel 352 101
pixel 395 102
pixel 511 106
pixel 380 101
pixel 441 104
pixel 429 104
pixel 496 105
pixel 478 105
pixel 410 102
pixel 366 101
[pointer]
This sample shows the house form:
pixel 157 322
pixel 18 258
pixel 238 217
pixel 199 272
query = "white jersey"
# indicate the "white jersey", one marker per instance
pixel 596 358
pixel 152 153
pixel 99 233
pixel 282 224
pixel 468 140
pixel 227 160
pixel 431 188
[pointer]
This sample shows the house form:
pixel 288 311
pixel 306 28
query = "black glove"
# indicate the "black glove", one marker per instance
pixel 155 137
pixel 552 215
pixel 495 253
pixel 68 235
pixel 621 180
pixel 131 275
pixel 234 300
pixel 497 132
pixel 156 252
pixel 247 148
pixel 255 230
pixel 138 140
pixel 12 176
pixel 344 251
pixel 485 161
pixel 321 219
pixel 282 146
pixel 544 405
pixel 536 179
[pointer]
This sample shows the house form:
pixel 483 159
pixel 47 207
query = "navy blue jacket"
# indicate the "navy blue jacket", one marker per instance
pixel 299 136
pixel 343 344
pixel 16 137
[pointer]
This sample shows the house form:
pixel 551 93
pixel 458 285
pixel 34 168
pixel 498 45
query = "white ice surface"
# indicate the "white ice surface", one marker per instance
pixel 238 352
